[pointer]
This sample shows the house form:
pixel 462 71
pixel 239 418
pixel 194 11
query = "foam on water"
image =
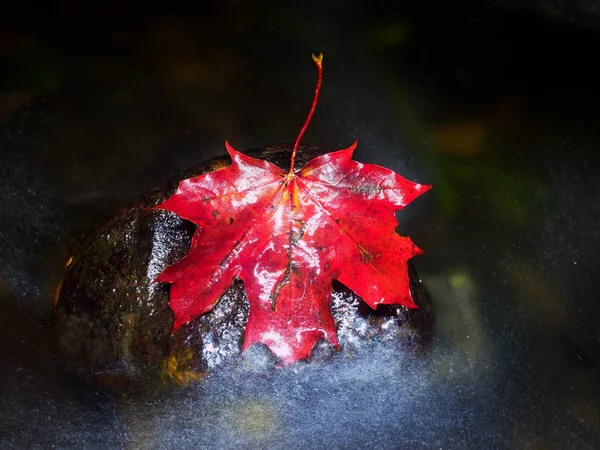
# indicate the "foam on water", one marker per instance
pixel 379 398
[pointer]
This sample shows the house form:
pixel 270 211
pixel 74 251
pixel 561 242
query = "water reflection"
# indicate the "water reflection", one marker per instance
pixel 459 324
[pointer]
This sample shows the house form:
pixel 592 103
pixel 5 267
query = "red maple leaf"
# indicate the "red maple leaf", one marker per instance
pixel 287 236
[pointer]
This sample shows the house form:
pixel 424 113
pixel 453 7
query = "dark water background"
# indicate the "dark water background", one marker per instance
pixel 496 106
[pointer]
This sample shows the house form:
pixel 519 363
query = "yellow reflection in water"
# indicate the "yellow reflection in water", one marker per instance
pixel 253 417
pixel 458 321
pixel 461 138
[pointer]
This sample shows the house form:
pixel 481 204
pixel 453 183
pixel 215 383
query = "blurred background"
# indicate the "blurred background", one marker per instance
pixel 495 104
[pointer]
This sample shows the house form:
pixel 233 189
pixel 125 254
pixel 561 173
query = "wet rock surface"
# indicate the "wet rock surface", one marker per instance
pixel 114 324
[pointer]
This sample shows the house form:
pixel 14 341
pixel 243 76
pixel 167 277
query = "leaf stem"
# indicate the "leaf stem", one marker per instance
pixel 319 63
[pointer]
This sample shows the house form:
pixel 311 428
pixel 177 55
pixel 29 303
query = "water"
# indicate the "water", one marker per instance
pixel 497 109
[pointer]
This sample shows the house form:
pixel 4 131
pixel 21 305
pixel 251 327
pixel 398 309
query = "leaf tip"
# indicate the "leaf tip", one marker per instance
pixel 425 187
pixel 232 151
pixel 411 305
pixel 176 326
pixel 352 147
pixel 412 248
pixel 417 251
pixel 346 153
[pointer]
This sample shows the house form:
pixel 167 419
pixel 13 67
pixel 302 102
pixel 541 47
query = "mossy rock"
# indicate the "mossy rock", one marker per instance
pixel 114 324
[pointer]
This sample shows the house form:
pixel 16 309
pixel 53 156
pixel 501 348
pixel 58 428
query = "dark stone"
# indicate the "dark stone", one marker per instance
pixel 114 325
